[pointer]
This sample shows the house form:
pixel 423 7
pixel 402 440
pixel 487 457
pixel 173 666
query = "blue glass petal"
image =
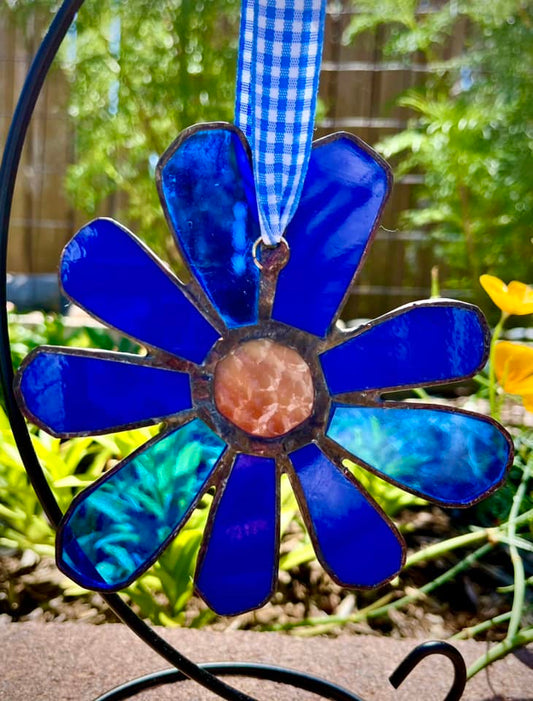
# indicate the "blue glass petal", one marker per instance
pixel 238 570
pixel 106 270
pixel 449 457
pixel 206 185
pixel 344 191
pixel 431 342
pixel 357 545
pixel 75 392
pixel 117 527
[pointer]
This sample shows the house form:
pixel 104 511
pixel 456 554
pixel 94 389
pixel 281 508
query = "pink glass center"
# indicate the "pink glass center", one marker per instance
pixel 264 388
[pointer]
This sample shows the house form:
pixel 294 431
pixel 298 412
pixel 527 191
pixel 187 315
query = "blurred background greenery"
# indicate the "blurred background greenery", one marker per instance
pixel 442 89
pixel 470 132
pixel 137 74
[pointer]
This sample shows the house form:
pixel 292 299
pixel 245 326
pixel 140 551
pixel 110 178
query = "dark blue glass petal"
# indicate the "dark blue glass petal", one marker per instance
pixel 116 528
pixel 75 392
pixel 238 569
pixel 430 342
pixel 206 186
pixel 357 545
pixel 449 457
pixel 106 270
pixel 344 191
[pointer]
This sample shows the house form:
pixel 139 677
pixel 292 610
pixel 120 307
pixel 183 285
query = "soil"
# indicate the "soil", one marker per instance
pixel 33 589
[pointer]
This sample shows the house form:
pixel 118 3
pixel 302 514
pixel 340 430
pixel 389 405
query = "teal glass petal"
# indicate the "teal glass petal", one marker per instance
pixel 81 392
pixel 238 569
pixel 353 540
pixel 447 456
pixel 345 189
pixel 206 186
pixel 107 271
pixel 425 343
pixel 117 527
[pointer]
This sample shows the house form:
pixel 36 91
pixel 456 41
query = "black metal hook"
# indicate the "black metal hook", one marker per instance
pixel 433 647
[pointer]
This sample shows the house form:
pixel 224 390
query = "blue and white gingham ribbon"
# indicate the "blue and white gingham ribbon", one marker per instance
pixel 277 83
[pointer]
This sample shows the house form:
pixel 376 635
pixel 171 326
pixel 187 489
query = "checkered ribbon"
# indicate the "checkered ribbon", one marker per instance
pixel 277 83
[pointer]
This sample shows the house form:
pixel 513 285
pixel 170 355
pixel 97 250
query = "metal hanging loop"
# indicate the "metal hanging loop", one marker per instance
pixel 283 242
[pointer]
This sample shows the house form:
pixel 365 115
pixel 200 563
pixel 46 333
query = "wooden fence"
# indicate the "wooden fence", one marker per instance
pixel 358 86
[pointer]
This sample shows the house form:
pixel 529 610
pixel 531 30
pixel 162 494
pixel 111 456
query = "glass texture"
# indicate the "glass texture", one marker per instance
pixel 106 270
pixel 72 393
pixel 263 387
pixel 343 192
pixel 446 456
pixel 207 187
pixel 118 526
pixel 237 571
pixel 416 347
pixel 355 541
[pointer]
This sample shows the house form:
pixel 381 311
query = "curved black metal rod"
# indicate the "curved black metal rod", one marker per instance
pixel 8 172
pixel 301 680
pixel 433 647
pixel 281 675
pixel 185 668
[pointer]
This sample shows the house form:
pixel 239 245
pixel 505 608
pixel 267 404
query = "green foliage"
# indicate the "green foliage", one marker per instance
pixel 161 593
pixel 142 72
pixel 411 29
pixel 26 14
pixel 391 499
pixel 70 466
pixel 139 73
pixel 512 536
pixel 165 589
pixel 471 133
pixel 22 524
pixel 27 332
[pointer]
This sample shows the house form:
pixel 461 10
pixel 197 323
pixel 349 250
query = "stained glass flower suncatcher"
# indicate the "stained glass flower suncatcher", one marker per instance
pixel 252 378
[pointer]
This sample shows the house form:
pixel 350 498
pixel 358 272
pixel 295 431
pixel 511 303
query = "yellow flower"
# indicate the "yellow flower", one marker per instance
pixel 514 298
pixel 513 365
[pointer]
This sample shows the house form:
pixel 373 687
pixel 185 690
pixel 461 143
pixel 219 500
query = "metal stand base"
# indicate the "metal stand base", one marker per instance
pixel 207 675
pixel 281 675
pixel 299 680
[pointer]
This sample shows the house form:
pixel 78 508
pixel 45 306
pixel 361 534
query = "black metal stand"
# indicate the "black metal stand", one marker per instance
pixel 207 675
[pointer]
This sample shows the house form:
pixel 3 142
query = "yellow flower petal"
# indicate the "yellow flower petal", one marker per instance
pixel 528 402
pixel 513 365
pixel 515 298
pixel 525 387
pixel 496 290
pixel 523 294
